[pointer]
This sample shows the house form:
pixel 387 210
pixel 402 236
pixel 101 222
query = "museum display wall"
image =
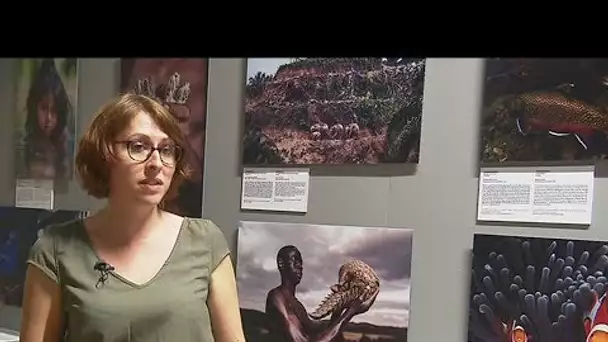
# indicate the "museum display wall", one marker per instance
pixel 437 198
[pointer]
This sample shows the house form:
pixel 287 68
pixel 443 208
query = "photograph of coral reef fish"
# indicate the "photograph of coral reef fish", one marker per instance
pixel 333 110
pixel 538 289
pixel 544 109
pixel 304 282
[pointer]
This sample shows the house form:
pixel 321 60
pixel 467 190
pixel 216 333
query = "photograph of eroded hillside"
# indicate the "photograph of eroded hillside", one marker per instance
pixel 544 109
pixel 333 110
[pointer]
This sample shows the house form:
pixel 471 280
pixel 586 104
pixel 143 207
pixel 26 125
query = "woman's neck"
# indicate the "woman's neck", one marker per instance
pixel 128 224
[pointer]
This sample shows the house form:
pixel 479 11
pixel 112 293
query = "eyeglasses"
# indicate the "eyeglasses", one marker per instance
pixel 140 151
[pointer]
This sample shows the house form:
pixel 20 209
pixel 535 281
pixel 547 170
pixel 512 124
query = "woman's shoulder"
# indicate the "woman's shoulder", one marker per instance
pixel 202 229
pixel 199 225
pixel 64 230
pixel 206 235
pixel 53 241
pixel 58 234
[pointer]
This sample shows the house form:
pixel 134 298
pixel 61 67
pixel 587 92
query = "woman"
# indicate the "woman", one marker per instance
pixel 132 271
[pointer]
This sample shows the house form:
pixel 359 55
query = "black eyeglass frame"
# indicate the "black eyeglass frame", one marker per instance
pixel 178 149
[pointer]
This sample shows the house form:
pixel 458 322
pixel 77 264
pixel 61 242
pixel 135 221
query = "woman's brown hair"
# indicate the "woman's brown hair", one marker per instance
pixel 95 146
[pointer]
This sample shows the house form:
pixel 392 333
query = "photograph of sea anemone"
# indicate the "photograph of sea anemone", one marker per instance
pixel 305 111
pixel 538 289
pixel 307 282
pixel 544 109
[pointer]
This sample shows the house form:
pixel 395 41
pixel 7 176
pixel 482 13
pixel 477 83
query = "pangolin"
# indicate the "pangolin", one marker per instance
pixel 558 115
pixel 355 279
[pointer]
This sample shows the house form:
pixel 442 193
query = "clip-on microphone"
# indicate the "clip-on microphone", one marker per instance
pixel 104 269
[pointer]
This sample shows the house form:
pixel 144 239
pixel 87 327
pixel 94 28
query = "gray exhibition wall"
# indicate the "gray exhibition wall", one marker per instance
pixel 437 199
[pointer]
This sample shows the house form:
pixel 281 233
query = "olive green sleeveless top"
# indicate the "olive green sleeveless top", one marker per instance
pixel 171 307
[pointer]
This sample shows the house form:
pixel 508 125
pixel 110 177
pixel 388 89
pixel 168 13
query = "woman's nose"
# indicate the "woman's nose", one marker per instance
pixel 154 160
